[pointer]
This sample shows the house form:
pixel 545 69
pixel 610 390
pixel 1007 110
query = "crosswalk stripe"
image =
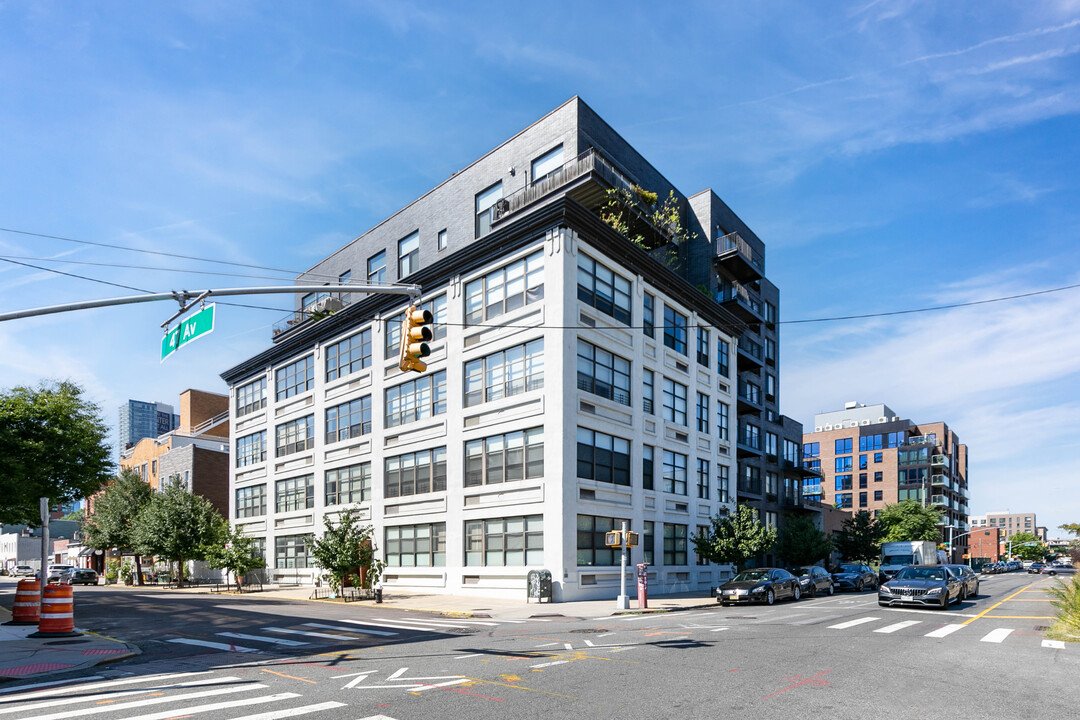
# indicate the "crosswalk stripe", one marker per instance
pixel 308 633
pixel 396 626
pixel 777 619
pixel 456 623
pixel 943 631
pixel 175 712
pixel 817 620
pixel 351 629
pixel 108 695
pixel 293 712
pixel 260 638
pixel 216 646
pixel 852 623
pixel 51 683
pixel 152 701
pixel 898 626
pixel 996 636
pixel 1055 644
pixel 94 686
pixel 423 623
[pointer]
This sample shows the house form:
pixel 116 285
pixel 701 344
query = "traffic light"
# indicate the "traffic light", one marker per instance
pixel 415 334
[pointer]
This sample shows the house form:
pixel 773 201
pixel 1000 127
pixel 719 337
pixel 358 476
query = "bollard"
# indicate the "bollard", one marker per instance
pixel 57 613
pixel 378 594
pixel 27 606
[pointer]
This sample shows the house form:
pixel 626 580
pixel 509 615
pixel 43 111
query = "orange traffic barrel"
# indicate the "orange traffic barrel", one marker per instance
pixel 57 612
pixel 26 609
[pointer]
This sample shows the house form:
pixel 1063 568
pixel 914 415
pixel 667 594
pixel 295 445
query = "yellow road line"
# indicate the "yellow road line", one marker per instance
pixel 997 604
pixel 519 687
pixel 1020 617
pixel 291 677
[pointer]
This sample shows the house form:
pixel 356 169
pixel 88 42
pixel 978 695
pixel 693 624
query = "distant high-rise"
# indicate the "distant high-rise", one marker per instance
pixel 140 420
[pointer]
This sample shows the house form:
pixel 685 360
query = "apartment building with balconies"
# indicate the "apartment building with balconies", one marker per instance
pixel 578 379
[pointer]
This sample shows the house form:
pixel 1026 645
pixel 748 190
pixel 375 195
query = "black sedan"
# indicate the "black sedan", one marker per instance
pixel 84 576
pixel 926 586
pixel 854 576
pixel 969 579
pixel 764 585
pixel 814 580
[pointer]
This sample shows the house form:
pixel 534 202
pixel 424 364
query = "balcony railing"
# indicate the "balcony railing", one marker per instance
pixel 811 490
pixel 939 460
pixel 744 301
pixel 739 256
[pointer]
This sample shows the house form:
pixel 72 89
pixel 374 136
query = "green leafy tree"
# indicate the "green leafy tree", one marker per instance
pixel 860 538
pixel 630 211
pixel 179 525
pixel 345 547
pixel 1072 528
pixel 116 512
pixel 78 516
pixel 909 521
pixel 1025 551
pixel 735 538
pixel 53 445
pixel 799 542
pixel 236 554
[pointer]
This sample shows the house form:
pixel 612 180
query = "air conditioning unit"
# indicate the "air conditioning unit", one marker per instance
pixel 865 422
pixel 328 304
pixel 817 429
pixel 882 419
pixel 828 427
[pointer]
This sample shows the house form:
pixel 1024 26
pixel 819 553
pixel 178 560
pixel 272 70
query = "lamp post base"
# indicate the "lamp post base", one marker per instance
pixel 622 602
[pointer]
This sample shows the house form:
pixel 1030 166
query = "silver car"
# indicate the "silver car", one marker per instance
pixel 926 586
pixel 969 578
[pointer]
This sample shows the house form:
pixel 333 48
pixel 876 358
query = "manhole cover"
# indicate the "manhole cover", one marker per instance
pixel 586 631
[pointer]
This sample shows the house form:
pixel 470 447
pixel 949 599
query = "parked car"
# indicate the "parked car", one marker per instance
pixel 993 568
pixel 969 578
pixel 60 574
pixel 1035 567
pixel 764 585
pixel 24 571
pixel 1059 570
pixel 854 576
pixel 927 586
pixel 814 580
pixel 84 576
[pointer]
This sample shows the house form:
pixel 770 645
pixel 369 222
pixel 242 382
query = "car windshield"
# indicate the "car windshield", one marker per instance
pixel 802 571
pixel 911 573
pixel 850 569
pixel 897 560
pixel 751 576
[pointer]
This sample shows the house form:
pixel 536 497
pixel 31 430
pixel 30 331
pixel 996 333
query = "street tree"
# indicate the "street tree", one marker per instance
pixel 860 538
pixel 347 548
pixel 799 541
pixel 53 445
pixel 909 521
pixel 116 512
pixel 735 538
pixel 1072 528
pixel 236 554
pixel 1027 546
pixel 179 525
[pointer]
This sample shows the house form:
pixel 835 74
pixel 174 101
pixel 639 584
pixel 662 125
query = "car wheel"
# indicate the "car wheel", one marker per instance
pixel 770 597
pixel 724 604
pixel 963 593
pixel 945 602
pixel 976 593
pixel 796 593
pixel 832 589
pixel 858 586
pixel 811 591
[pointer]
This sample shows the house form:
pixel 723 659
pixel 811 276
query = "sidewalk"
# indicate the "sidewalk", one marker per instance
pixel 23 658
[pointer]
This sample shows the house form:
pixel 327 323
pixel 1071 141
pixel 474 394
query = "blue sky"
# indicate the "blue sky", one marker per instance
pixel 892 155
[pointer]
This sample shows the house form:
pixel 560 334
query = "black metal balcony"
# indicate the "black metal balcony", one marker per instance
pixel 743 302
pixel 736 256
pixel 751 355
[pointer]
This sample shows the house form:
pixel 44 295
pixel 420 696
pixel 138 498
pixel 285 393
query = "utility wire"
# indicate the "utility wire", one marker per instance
pixel 141 267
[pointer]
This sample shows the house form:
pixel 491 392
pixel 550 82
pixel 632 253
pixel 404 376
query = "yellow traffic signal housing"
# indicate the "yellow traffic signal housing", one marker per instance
pixel 613 538
pixel 415 334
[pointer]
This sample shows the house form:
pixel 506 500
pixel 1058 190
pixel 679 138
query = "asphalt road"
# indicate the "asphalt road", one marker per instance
pixel 216 658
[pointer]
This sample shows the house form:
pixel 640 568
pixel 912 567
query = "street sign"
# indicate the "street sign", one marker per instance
pixel 193 328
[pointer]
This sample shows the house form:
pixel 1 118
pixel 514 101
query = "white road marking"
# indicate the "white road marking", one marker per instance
pixel 462 657
pixel 852 623
pixel 423 624
pixel 108 695
pixel 546 645
pixel 635 618
pixel 359 679
pixel 813 621
pixel 996 636
pixel 604 635
pixel 1055 644
pixel 396 626
pixel 777 619
pixel 898 626
pixel 718 629
pixel 456 623
pixel 260 638
pixel 94 686
pixel 293 712
pixel 171 713
pixel 442 684
pixel 549 664
pixel 943 631
pixel 307 633
pixel 51 683
pixel 381 633
pixel 568 646
pixel 151 701
pixel 216 646
pixel 398 674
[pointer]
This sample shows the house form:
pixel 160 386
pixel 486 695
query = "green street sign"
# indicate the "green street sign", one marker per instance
pixel 193 328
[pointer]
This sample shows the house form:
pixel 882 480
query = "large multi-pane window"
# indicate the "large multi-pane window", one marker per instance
pixel 704 479
pixel 591 549
pixel 415 473
pixel 843 464
pixel 295 436
pixel 751 436
pixel 843 500
pixel 843 482
pixel 251 449
pixel 811 450
pixel 723 358
pixel 791 453
pixel 703 346
pixel 251 397
pixel 515 285
pixel 674 402
pixel 648 316
pixel 348 420
pixel 648 390
pixel 602 457
pixel 508 372
pixel 290 551
pixel 549 162
pixel 702 413
pixel 723 411
pixel 771 484
pixel 674 329
pixel 674 544
pixel 416 545
pixel 485 204
pixel 251 501
pixel 408 255
pixel 417 399
pixel 376 268
pixel 505 541
pixel 350 484
pixel 647 467
pixel 772 440
pixel 674 472
pixel 723 483
pixel 295 378
pixel 648 541
pixel 603 289
pixel 603 373
pixel 349 355
pixel 842 446
pixel 295 493
pixel 750 480
pixel 702 531
pixel 770 350
pixel 505 458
